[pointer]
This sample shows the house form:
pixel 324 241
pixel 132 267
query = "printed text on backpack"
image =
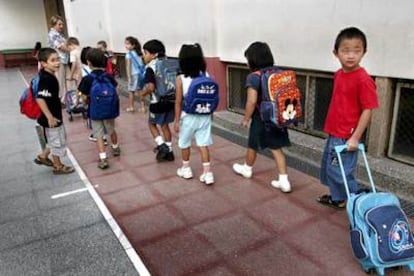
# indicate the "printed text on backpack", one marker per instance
pixel 28 104
pixel 202 96
pixel 104 100
pixel 281 98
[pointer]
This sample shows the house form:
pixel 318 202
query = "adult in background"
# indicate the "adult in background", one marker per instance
pixel 57 41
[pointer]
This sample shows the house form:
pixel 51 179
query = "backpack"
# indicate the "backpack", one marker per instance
pixel 141 69
pixel 380 233
pixel 166 71
pixel 28 104
pixel 202 96
pixel 281 98
pixel 104 100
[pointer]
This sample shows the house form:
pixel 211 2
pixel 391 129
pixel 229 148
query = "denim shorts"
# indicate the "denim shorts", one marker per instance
pixel 330 172
pixel 197 126
pixel 161 118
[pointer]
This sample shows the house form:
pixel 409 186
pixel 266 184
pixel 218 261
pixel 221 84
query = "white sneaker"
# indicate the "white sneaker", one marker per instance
pixel 242 170
pixel 207 178
pixel 185 173
pixel 284 186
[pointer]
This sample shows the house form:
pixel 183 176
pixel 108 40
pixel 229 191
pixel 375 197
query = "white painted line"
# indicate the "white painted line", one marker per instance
pixel 130 251
pixel 69 193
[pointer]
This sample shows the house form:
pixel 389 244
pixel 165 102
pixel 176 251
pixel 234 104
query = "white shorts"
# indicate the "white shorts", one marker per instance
pixel 56 140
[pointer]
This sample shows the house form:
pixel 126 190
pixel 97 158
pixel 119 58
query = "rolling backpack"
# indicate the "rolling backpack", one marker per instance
pixel 281 98
pixel 104 100
pixel 381 235
pixel 202 96
pixel 28 104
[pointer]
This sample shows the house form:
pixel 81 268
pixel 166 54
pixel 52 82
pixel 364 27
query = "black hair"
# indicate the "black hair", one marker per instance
pixel 96 57
pixel 135 44
pixel 37 46
pixel 350 33
pixel 83 54
pixel 103 43
pixel 259 56
pixel 155 46
pixel 45 53
pixel 191 60
pixel 73 41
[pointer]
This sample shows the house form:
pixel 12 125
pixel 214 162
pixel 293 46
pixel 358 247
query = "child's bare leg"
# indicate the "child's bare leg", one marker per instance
pixel 154 130
pixel 45 153
pixel 185 154
pixel 114 138
pixel 56 162
pixel 205 154
pixel 131 101
pixel 205 159
pixel 166 132
pixel 250 157
pixel 142 102
pixel 280 161
pixel 101 145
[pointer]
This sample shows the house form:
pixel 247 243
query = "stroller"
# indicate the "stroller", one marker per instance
pixel 71 108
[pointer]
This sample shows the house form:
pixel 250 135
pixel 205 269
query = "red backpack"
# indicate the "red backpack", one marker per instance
pixel 28 104
pixel 281 98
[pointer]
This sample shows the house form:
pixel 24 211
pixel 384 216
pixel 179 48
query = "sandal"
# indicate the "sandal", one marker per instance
pixel 63 170
pixel 130 109
pixel 327 201
pixel 43 161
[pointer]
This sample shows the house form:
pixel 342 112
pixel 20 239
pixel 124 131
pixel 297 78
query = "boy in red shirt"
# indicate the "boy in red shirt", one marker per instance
pixel 353 99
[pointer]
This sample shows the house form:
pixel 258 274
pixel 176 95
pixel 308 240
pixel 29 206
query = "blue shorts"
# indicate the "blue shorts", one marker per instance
pixel 161 118
pixel 198 126
pixel 330 172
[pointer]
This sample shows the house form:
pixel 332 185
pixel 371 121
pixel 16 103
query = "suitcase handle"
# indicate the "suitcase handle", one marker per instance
pixel 361 148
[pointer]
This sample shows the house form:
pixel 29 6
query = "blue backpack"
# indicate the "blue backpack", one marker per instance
pixel 166 71
pixel 202 96
pixel 137 61
pixel 381 235
pixel 104 100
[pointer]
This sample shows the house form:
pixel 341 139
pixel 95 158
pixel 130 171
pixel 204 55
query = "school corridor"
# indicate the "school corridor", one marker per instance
pixel 138 217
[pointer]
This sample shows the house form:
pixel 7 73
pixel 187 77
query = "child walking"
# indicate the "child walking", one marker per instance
pixel 111 58
pixel 51 118
pixel 353 99
pixel 134 65
pixel 102 113
pixel 192 64
pixel 154 52
pixel 75 60
pixel 259 57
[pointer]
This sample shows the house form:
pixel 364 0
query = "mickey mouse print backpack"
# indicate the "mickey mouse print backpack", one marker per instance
pixel 281 98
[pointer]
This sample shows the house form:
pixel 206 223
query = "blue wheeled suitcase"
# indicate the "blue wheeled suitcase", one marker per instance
pixel 381 236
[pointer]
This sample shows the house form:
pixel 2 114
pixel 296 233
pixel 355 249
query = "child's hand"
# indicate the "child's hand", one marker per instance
pixel 52 122
pixel 176 126
pixel 245 122
pixel 352 144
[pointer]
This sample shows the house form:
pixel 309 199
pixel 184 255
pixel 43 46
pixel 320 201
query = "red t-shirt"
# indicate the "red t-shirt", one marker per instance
pixel 352 93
